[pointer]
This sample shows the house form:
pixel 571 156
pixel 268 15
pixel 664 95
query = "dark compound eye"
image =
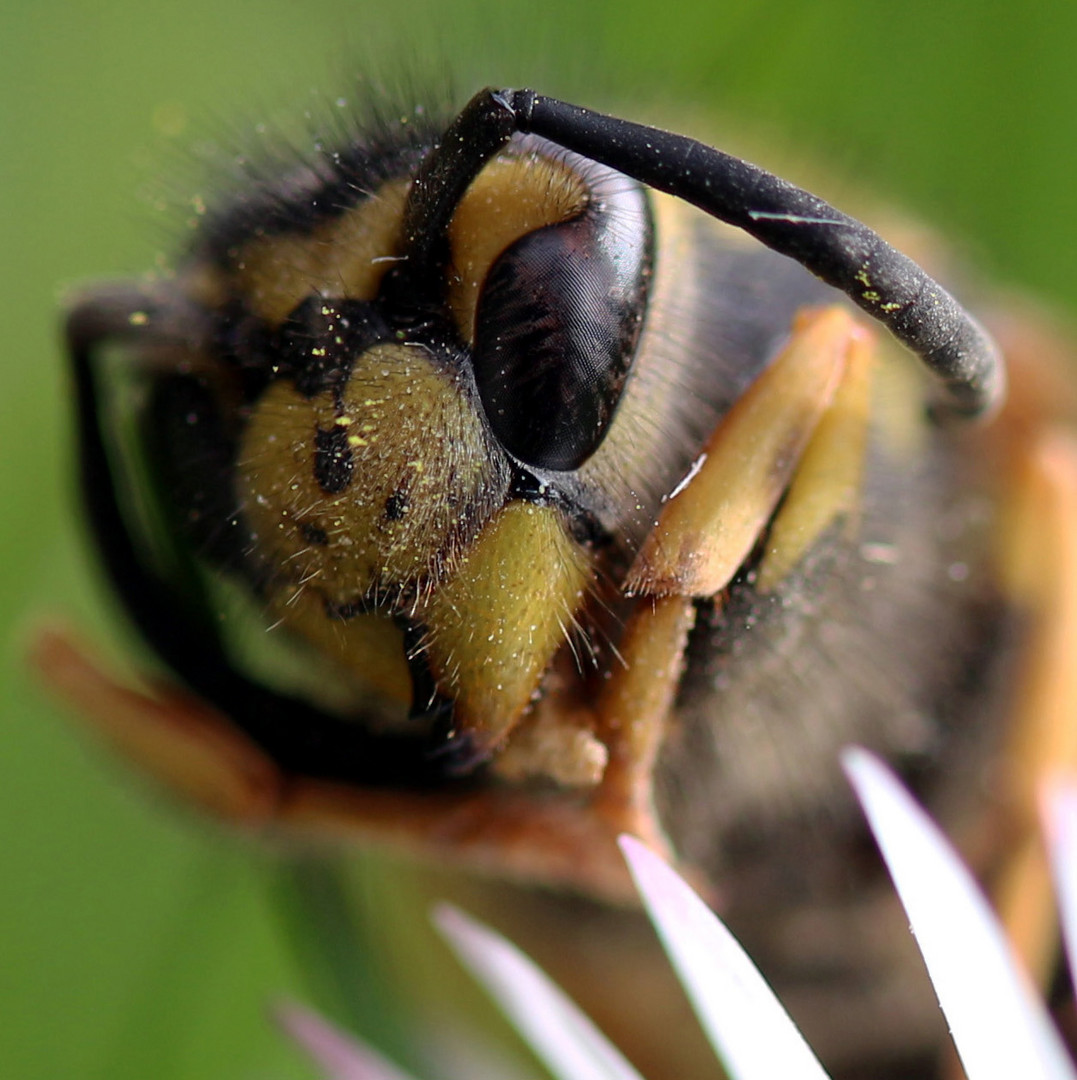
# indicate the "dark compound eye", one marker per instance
pixel 557 325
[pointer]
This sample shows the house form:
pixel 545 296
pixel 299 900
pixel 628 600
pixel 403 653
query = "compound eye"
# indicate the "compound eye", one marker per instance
pixel 557 325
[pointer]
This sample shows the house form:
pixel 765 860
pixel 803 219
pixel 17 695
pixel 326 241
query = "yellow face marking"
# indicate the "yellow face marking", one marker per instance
pixel 414 487
pixel 368 646
pixel 511 197
pixel 495 625
pixel 827 483
pixel 710 525
pixel 345 258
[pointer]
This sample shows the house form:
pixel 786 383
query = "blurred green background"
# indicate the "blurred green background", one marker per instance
pixel 136 940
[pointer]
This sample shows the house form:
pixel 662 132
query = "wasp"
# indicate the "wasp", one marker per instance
pixel 494 485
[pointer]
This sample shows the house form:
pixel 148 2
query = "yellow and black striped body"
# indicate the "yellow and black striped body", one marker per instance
pixel 578 541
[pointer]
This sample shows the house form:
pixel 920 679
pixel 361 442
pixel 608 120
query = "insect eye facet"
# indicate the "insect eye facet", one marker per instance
pixel 556 327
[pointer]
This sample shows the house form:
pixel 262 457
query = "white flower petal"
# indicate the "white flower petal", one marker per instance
pixel 566 1040
pixel 464 1051
pixel 746 1024
pixel 341 1056
pixel 1060 826
pixel 999 1027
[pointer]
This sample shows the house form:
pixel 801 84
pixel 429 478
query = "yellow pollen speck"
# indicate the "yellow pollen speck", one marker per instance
pixel 343 421
pixel 356 440
pixel 138 318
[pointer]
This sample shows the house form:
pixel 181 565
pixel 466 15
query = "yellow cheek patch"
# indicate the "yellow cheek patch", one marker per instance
pixel 828 482
pixel 495 625
pixel 711 522
pixel 510 198
pixel 367 646
pixel 345 258
pixel 407 464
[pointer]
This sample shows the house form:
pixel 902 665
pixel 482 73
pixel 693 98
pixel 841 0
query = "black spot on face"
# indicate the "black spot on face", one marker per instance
pixel 333 463
pixel 396 506
pixel 318 343
pixel 313 534
pixel 343 611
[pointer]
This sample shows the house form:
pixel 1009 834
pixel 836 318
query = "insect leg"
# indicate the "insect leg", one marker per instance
pixel 182 742
pixel 711 523
pixel 1040 564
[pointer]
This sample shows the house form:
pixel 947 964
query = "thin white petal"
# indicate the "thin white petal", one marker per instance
pixel 566 1040
pixel 465 1052
pixel 1060 815
pixel 998 1025
pixel 745 1022
pixel 341 1056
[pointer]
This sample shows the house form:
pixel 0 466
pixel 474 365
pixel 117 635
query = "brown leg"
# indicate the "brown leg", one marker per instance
pixel 1040 563
pixel 181 742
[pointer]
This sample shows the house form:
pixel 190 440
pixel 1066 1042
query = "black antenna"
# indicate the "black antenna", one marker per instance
pixel 837 248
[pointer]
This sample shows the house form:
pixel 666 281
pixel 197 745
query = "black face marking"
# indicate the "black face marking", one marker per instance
pixel 310 347
pixel 313 534
pixel 333 462
pixel 318 343
pixel 456 754
pixel 349 609
pixel 396 506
